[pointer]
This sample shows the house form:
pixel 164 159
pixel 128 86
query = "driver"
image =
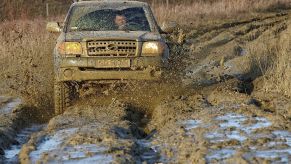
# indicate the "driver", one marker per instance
pixel 120 21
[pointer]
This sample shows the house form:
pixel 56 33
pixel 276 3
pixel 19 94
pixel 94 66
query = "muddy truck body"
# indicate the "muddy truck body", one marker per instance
pixel 94 47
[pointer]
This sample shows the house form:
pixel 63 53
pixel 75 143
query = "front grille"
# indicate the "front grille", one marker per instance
pixel 112 48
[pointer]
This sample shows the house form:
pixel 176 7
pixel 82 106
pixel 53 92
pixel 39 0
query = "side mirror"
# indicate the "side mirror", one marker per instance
pixel 53 27
pixel 169 27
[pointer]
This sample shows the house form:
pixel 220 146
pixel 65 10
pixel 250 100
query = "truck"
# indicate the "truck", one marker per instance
pixel 104 42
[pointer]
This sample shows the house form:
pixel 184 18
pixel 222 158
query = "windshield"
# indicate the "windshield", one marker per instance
pixel 90 18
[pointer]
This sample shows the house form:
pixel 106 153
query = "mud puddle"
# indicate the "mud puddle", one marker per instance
pixel 11 154
pixel 9 104
pixel 146 152
pixel 253 137
pixel 57 149
pixel 54 146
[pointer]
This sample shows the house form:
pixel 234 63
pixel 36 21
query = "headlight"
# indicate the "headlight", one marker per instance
pixel 153 48
pixel 70 48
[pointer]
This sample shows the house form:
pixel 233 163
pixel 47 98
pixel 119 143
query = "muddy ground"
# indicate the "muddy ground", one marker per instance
pixel 210 108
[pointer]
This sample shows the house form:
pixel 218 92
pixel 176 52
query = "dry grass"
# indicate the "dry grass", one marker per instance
pixel 270 59
pixel 278 78
pixel 198 10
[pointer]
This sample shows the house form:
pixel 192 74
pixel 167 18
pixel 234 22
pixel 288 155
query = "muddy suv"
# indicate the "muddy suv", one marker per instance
pixel 106 41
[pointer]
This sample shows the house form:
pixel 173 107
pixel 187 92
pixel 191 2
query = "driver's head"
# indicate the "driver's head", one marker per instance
pixel 120 20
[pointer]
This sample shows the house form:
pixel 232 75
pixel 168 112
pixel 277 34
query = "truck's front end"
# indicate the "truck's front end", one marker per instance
pixel 92 47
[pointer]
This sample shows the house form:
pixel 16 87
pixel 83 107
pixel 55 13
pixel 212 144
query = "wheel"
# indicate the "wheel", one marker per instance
pixel 64 94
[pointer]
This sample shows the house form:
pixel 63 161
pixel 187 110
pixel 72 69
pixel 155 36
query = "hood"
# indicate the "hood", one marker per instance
pixel 112 35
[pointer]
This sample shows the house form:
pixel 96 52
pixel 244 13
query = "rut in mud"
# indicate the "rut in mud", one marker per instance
pixel 15 127
pixel 210 110
pixel 11 154
pixel 140 151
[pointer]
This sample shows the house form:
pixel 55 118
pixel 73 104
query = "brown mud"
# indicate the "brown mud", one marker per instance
pixel 210 109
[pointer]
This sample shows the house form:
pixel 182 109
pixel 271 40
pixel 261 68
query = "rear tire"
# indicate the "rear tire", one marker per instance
pixel 64 94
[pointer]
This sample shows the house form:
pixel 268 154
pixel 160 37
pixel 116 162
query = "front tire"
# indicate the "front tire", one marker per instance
pixel 64 94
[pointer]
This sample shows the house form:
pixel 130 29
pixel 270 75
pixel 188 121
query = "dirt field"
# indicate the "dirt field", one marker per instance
pixel 211 107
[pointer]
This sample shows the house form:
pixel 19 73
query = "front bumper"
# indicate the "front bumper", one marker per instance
pixel 86 69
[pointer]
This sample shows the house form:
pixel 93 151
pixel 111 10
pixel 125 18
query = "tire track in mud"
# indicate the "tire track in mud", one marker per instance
pixel 141 151
pixel 207 40
pixel 237 30
pixel 206 34
pixel 210 51
pixel 115 133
